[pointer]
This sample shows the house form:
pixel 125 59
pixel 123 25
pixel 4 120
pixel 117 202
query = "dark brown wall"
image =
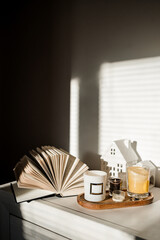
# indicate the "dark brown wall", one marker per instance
pixel 35 79
pixel 36 48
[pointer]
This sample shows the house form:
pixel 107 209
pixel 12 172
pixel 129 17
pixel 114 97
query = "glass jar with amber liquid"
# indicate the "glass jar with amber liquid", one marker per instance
pixel 137 180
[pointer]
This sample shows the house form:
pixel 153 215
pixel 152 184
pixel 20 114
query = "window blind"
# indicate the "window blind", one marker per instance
pixel 129 105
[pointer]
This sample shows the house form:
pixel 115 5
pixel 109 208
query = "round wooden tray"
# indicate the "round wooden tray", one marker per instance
pixel 108 203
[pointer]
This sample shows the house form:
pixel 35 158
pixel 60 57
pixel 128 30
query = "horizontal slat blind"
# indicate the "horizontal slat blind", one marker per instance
pixel 129 105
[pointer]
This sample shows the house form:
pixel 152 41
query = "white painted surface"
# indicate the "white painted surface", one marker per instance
pixel 30 231
pixel 135 220
pixel 65 217
pixel 70 223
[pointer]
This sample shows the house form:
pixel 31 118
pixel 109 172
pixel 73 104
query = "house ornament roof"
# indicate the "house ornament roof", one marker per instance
pixel 125 147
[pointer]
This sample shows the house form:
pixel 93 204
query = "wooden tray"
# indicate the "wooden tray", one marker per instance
pixel 108 203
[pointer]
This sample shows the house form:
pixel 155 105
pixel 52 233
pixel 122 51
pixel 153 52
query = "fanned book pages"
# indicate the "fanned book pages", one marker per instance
pixel 50 170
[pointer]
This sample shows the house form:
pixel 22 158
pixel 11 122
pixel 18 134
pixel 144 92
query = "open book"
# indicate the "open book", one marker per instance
pixel 52 170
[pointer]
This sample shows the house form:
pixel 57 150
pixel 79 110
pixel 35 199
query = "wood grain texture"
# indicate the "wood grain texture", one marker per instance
pixel 108 203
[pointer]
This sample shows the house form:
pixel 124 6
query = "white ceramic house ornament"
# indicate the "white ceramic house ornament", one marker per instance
pixel 152 171
pixel 117 155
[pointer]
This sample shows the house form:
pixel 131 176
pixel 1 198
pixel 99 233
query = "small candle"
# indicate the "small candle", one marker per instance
pixel 95 185
pixel 118 196
pixel 114 184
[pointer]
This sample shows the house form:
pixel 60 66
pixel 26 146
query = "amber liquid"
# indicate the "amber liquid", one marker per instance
pixel 138 180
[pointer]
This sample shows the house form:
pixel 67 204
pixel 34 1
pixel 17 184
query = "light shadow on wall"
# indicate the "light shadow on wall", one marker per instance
pixel 129 105
pixel 74 117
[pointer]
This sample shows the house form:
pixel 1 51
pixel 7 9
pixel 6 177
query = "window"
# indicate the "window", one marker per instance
pixel 129 105
pixel 113 151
